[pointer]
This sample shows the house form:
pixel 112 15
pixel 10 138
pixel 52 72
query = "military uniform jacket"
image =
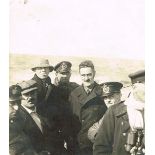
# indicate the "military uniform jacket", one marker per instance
pixel 87 110
pixel 66 89
pixel 56 110
pixel 112 134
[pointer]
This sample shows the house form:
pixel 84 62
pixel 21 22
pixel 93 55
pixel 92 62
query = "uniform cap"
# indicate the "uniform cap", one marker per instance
pixel 63 67
pixel 110 88
pixel 42 63
pixel 137 77
pixel 15 93
pixel 28 86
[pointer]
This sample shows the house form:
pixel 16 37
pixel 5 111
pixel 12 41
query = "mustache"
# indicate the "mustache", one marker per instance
pixel 31 100
pixel 88 80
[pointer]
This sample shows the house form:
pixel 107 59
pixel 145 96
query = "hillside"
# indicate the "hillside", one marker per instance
pixel 106 69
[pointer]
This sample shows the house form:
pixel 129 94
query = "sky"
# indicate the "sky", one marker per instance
pixel 107 28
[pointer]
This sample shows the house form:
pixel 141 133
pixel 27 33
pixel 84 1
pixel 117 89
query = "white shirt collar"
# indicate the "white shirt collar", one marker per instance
pixel 28 110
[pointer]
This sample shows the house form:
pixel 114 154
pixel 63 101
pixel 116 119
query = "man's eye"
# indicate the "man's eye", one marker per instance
pixel 89 74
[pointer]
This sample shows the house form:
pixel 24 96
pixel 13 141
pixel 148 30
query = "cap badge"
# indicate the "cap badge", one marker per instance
pixel 64 66
pixel 106 89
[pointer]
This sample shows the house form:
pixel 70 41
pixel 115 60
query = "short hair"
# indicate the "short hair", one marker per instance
pixel 86 63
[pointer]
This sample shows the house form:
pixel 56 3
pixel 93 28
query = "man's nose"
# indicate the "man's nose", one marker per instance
pixel 43 69
pixel 86 78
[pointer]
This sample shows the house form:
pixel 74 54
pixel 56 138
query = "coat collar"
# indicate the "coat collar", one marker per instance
pixel 28 117
pixel 121 109
pixel 38 80
pixel 84 98
pixel 96 89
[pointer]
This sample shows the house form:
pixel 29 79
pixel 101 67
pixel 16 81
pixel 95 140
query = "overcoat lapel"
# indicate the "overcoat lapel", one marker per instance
pixel 83 97
pixel 40 83
pixel 30 122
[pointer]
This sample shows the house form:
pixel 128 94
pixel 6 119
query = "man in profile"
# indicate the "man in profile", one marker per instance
pixel 62 79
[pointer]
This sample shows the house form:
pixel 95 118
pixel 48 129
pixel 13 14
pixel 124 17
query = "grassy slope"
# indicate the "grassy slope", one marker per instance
pixel 106 69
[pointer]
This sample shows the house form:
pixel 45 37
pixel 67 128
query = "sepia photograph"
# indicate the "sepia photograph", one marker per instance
pixel 76 77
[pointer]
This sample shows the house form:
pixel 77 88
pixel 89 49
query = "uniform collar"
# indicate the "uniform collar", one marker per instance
pixel 121 109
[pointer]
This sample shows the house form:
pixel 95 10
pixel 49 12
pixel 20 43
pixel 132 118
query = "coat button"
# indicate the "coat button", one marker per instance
pixel 82 120
pixel 122 123
pixel 124 134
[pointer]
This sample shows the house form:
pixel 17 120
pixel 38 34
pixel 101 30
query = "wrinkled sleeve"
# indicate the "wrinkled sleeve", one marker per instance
pixel 104 139
pixel 93 130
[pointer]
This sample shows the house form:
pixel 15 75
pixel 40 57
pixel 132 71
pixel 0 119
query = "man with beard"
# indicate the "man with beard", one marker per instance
pixel 87 106
pixel 62 79
pixel 122 129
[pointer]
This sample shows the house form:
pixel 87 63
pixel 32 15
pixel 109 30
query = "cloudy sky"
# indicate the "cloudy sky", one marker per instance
pixel 108 28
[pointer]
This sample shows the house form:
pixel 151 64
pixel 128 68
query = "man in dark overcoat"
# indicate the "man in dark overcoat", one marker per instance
pixel 35 127
pixel 42 69
pixel 52 105
pixel 122 129
pixel 65 86
pixel 19 143
pixel 87 106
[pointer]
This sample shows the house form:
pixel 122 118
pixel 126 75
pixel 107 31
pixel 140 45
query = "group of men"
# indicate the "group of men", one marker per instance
pixel 65 118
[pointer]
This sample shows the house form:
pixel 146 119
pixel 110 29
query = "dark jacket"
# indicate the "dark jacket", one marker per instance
pixel 19 142
pixel 53 97
pixel 37 138
pixel 87 109
pixel 42 87
pixel 113 131
pixel 57 111
pixel 36 141
pixel 66 89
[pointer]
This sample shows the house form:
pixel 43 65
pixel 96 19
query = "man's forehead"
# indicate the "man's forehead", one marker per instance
pixel 86 70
